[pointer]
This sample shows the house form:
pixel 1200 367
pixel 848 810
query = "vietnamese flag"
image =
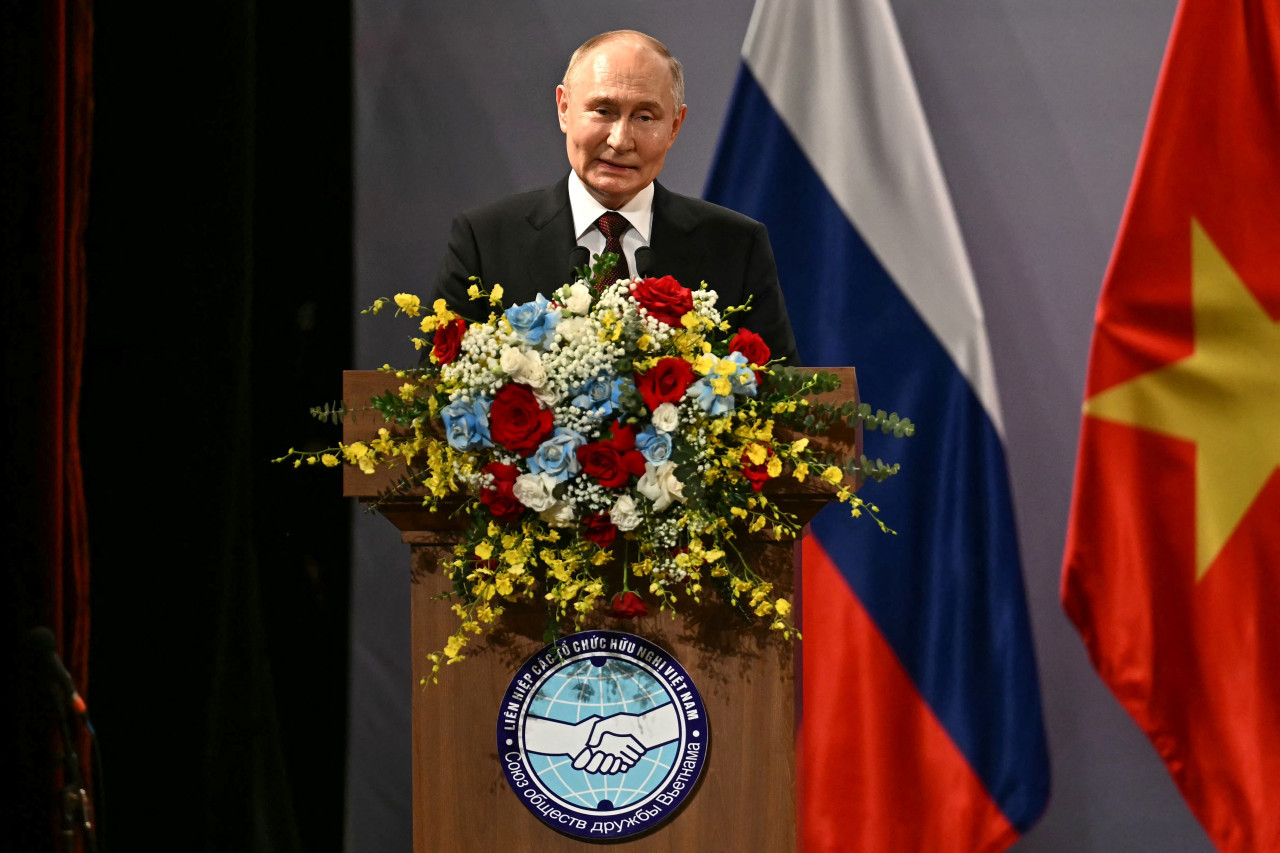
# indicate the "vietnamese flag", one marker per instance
pixel 1172 564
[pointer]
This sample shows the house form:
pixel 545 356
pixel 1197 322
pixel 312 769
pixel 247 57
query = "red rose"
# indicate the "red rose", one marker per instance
pixel 448 341
pixel 623 438
pixel 498 496
pixel 752 346
pixel 664 298
pixel 517 420
pixel 600 529
pixel 756 475
pixel 665 382
pixel 612 461
pixel 628 605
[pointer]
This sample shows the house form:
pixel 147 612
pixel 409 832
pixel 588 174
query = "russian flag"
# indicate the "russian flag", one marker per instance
pixel 921 726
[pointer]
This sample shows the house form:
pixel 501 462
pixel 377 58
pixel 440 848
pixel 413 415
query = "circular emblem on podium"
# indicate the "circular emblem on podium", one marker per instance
pixel 602 735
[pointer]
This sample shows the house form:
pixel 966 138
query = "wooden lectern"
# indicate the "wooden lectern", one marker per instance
pixel 746 797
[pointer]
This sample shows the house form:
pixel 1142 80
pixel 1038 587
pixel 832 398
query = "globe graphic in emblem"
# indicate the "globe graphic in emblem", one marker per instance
pixel 601 687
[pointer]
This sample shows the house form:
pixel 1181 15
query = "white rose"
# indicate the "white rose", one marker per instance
pixel 659 484
pixel 525 367
pixel 534 491
pixel 579 301
pixel 624 515
pixel 666 417
pixel 545 396
pixel 560 514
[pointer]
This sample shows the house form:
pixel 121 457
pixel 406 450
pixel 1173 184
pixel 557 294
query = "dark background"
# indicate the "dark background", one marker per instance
pixel 218 253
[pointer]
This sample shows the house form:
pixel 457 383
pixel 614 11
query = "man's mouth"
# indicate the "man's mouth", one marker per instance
pixel 619 167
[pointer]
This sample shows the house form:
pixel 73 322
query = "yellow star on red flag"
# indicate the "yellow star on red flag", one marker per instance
pixel 1224 398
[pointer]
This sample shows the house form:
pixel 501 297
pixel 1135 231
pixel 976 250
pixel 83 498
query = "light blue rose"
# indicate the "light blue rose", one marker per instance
pixel 599 396
pixel 744 381
pixel 532 322
pixel 654 446
pixel 708 400
pixel 466 424
pixel 557 455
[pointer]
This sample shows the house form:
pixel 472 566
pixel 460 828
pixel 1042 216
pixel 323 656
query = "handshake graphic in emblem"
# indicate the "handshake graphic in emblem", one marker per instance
pixel 604 744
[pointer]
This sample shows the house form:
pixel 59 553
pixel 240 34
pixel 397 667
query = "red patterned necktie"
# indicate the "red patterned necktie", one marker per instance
pixel 613 225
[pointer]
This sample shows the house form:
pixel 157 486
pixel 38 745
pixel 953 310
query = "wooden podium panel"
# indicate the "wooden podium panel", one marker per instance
pixel 745 799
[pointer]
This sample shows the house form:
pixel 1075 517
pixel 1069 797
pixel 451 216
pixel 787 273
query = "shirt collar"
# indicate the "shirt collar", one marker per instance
pixel 586 210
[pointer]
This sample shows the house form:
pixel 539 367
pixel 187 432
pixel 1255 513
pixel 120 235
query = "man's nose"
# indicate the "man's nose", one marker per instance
pixel 620 137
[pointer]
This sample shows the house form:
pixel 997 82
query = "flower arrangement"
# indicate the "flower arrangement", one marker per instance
pixel 607 423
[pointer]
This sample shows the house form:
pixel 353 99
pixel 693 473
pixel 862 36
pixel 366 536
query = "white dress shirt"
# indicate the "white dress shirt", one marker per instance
pixel 586 210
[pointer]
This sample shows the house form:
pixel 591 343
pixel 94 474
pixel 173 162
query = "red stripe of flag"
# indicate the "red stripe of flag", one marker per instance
pixel 878 771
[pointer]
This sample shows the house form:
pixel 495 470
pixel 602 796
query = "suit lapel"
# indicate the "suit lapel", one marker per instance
pixel 551 239
pixel 673 251
pixel 673 248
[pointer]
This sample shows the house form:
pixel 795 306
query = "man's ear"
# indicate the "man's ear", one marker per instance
pixel 562 107
pixel 676 124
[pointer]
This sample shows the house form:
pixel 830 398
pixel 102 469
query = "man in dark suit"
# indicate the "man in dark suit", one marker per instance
pixel 621 105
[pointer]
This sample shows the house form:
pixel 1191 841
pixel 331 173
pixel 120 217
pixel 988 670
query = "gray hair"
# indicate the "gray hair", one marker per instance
pixel 677 70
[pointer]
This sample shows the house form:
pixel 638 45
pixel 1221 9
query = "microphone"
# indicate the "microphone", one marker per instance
pixel 579 257
pixel 644 260
pixel 44 645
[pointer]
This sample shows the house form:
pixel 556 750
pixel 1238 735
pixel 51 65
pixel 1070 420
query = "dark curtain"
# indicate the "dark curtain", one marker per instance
pixel 46 107
pixel 218 282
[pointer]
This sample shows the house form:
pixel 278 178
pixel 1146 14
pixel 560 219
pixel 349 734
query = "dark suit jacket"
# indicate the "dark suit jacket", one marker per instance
pixel 524 242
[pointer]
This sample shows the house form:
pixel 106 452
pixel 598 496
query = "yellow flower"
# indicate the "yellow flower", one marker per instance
pixel 774 467
pixel 782 606
pixel 330 461
pixel 484 550
pixel 473 292
pixel 691 320
pixel 721 386
pixel 408 391
pixel 429 323
pixel 833 475
pixel 799 445
pixel 408 303
pixel 495 298
pixel 738 511
pixel 704 364
pixel 757 524
pixel 802 471
pixel 757 453
pixel 455 644
pixel 645 342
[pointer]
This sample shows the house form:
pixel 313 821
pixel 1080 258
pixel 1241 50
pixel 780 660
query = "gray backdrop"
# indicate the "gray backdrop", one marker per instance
pixel 1037 109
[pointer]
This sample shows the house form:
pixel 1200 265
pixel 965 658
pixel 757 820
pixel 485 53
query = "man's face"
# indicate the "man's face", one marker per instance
pixel 618 119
